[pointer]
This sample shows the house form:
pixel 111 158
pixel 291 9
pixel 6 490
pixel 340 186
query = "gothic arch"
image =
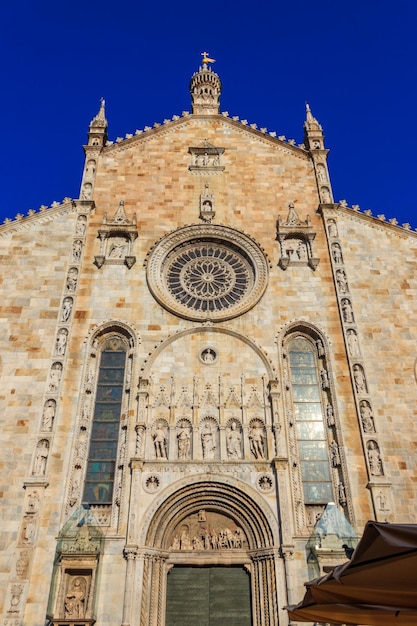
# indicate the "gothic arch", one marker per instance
pixel 234 499
pixel 209 329
pixel 231 499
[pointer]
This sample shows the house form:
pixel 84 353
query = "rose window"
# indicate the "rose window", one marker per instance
pixel 217 275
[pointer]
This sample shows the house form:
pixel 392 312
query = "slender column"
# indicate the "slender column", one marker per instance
pixel 130 556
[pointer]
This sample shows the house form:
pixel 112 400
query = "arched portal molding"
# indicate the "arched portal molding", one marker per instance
pixel 229 496
pixel 147 368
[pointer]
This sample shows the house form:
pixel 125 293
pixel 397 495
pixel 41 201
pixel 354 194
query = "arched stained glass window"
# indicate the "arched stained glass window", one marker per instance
pixel 101 465
pixel 309 422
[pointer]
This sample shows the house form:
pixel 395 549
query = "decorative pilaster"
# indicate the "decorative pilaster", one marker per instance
pixel 314 142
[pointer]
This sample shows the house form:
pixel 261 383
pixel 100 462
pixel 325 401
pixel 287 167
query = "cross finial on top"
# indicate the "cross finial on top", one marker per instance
pixel 206 59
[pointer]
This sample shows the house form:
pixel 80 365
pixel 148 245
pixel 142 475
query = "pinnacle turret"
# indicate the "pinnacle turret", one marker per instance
pixel 313 132
pixel 205 89
pixel 97 135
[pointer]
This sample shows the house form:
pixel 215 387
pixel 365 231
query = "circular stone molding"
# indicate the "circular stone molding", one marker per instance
pixel 207 272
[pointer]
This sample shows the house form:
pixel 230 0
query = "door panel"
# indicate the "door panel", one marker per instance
pixel 208 596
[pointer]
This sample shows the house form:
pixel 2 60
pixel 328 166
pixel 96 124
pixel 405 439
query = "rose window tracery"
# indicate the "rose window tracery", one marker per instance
pixel 207 273
pixel 208 277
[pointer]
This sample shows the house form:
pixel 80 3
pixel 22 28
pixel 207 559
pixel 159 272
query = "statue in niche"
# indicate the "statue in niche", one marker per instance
pixel 292 217
pixel 87 191
pixel 207 440
pixel 341 281
pixel 324 377
pixel 374 458
pixel 48 415
pixel 81 225
pixel 234 442
pixel 184 441
pixel 325 194
pixel 159 442
pixel 61 342
pixel 33 502
pixel 72 279
pixel 367 417
pixel 359 378
pixel 337 253
pixel 16 591
pixel 22 564
pixel 382 501
pixel 90 168
pixel 41 457
pixel 77 247
pixel 256 438
pixel 321 173
pixel 347 311
pixel 334 453
pixel 342 494
pixel 330 415
pixel 331 225
pixel 320 348
pixel 301 251
pixel 208 356
pixel 28 529
pixel 75 598
pixel 55 376
pixel 118 248
pixel 66 309
pixel 353 343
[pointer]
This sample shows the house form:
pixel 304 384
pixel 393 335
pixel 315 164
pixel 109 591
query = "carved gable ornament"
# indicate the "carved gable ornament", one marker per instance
pixel 295 237
pixel 116 239
pixel 206 159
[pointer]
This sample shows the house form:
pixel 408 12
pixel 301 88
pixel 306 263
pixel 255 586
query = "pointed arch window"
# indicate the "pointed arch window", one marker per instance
pixel 102 456
pixel 310 425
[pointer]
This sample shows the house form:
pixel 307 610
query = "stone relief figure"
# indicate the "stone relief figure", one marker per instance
pixel 42 452
pixel 118 248
pixel 301 251
pixel 330 415
pixel 324 377
pixel 353 343
pixel 75 598
pixel 16 591
pixel 342 494
pixel 341 281
pixel 48 415
pixel 81 225
pixel 367 417
pixel 55 376
pixel 234 442
pixel 160 442
pixel 337 253
pixel 207 441
pixel 72 278
pixel 257 439
pixel 332 228
pixel 325 193
pixel 321 173
pixel 320 348
pixel 28 529
pixel 359 378
pixel 184 441
pixel 33 502
pixel 66 309
pixel 374 458
pixel 22 564
pixel 77 247
pixel 61 342
pixel 334 453
pixel 90 168
pixel 208 356
pixel 87 191
pixel 347 311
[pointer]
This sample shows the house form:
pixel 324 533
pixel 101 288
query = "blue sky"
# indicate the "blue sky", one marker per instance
pixel 354 62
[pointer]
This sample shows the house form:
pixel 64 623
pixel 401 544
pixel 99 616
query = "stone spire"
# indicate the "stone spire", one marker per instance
pixel 97 135
pixel 313 132
pixel 314 142
pixel 205 88
pixel 97 138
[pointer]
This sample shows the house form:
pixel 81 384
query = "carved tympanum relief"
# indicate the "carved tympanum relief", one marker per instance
pixel 209 531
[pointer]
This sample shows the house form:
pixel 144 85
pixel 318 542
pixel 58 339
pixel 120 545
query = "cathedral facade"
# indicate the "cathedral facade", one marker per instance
pixel 208 378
